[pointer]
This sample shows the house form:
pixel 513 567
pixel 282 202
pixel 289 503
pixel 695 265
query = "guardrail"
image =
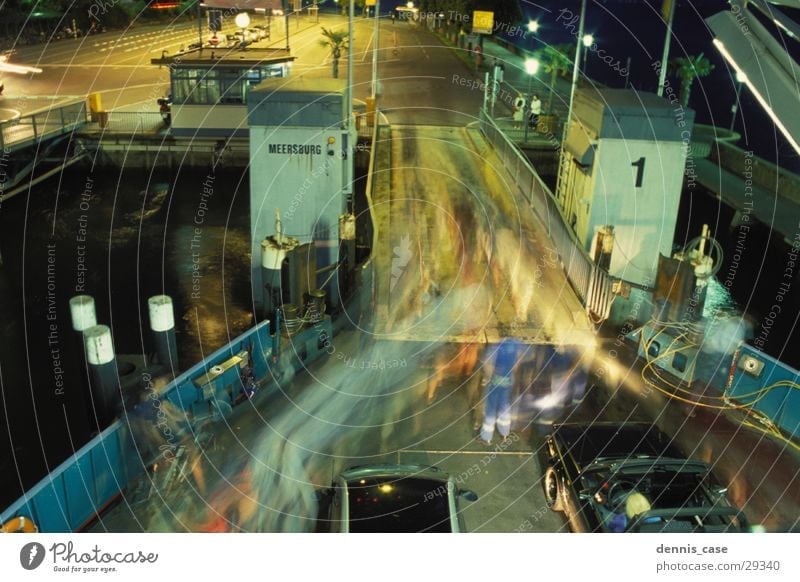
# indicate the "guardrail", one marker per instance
pixel 130 121
pixel 592 284
pixel 33 127
pixel 75 492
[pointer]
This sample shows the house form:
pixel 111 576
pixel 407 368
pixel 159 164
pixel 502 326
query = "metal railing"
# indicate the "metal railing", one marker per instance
pixel 33 127
pixel 130 121
pixel 592 284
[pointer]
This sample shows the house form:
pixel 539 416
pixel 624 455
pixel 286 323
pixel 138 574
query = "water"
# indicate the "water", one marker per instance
pixel 121 235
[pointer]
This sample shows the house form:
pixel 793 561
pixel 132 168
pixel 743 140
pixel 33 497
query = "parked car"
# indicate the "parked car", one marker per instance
pixel 393 498
pixel 591 470
pixel 257 33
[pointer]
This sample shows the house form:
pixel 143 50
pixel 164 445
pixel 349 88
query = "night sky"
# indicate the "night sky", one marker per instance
pixel 635 29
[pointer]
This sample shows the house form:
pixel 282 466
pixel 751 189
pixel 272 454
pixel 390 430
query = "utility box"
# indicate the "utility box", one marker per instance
pixel 96 108
pixel 301 163
pixel 622 167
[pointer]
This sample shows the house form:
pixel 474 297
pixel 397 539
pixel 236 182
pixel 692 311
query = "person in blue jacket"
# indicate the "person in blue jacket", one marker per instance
pixel 501 362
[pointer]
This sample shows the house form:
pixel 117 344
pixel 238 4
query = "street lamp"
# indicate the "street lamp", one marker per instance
pixel 531 68
pixel 740 79
pixel 587 41
pixel 242 20
pixel 533 26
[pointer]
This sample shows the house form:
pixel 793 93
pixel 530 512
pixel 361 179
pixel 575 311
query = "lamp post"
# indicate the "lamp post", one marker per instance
pixel 587 41
pixel 740 79
pixel 243 21
pixel 285 5
pixel 375 49
pixel 531 68
pixel 533 28
pixel 574 84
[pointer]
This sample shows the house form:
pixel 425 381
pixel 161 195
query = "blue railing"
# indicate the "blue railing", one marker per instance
pixel 767 386
pixel 82 486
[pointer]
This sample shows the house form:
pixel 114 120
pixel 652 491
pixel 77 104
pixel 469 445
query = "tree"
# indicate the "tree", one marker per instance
pixel 555 59
pixel 336 40
pixel 688 69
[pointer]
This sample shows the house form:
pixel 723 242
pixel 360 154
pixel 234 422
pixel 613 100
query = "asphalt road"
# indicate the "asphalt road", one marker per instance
pixel 420 80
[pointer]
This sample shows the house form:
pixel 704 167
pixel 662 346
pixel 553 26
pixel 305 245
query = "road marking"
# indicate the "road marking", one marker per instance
pixel 366 50
pixel 483 452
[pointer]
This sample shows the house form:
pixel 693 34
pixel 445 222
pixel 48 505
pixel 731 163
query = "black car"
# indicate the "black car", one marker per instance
pixel 393 498
pixel 592 469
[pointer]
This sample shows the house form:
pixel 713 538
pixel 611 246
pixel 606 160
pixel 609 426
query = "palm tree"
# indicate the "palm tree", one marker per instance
pixel 688 69
pixel 555 60
pixel 336 40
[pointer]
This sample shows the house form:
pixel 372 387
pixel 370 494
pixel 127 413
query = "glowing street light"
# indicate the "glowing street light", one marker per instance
pixel 532 66
pixel 533 26
pixel 587 41
pixel 740 80
pixel 242 20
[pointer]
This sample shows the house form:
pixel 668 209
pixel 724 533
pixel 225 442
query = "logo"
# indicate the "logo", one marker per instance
pixel 31 555
pixel 402 256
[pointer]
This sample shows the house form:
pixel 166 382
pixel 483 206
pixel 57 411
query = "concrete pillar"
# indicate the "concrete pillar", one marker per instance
pixel 103 373
pixel 162 324
pixel 82 310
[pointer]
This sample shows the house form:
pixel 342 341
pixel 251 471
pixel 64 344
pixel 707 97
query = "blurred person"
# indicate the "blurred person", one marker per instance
pixel 501 362
pixel 512 269
pixel 535 112
pixel 618 518
pixel 519 111
pixel 446 364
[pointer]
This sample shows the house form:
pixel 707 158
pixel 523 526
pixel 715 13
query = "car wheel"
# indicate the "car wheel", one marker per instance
pixel 552 490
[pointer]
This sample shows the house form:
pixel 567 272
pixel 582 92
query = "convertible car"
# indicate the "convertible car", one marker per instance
pixel 592 469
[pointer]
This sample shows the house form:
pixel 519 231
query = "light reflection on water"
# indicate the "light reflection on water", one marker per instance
pixel 133 237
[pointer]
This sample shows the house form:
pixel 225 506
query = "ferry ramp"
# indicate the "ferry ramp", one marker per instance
pixel 365 402
pixel 460 255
